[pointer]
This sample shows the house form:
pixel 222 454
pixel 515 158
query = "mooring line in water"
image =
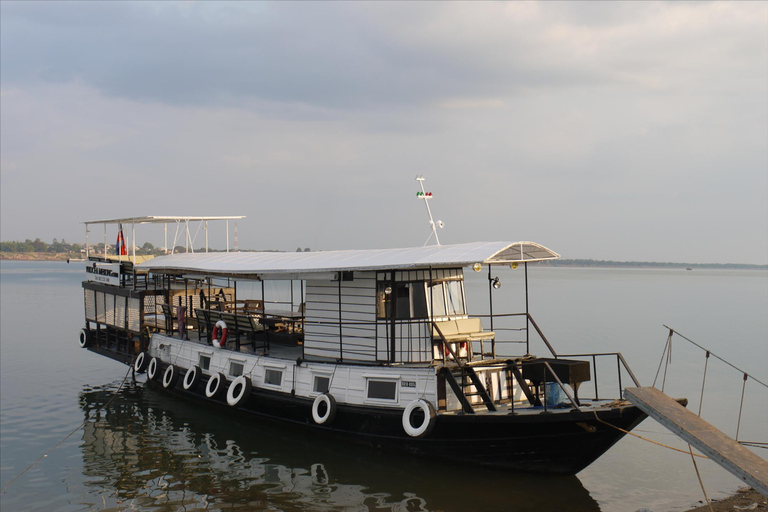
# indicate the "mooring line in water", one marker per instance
pixel 81 425
pixel 698 475
pixel 645 438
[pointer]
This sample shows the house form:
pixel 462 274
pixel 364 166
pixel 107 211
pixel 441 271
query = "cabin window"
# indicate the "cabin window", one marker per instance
pixel 273 377
pixel 204 362
pixel 447 298
pixel 321 384
pixel 410 300
pixel 235 369
pixel 437 299
pixel 454 298
pixel 382 389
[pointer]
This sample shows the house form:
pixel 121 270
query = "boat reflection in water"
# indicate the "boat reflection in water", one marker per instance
pixel 148 451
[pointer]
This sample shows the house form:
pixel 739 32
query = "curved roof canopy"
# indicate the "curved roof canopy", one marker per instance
pixel 277 265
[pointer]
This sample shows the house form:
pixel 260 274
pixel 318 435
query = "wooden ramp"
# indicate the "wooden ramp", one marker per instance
pixel 737 459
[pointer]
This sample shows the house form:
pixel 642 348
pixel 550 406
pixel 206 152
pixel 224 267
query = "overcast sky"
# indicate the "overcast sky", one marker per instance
pixel 605 130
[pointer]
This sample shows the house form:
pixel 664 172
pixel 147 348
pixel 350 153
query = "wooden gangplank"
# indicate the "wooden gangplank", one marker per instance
pixel 735 458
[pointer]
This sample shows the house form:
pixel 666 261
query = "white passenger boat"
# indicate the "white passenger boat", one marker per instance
pixel 374 346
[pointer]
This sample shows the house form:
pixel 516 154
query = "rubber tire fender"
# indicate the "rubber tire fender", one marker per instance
pixel 85 338
pixel 141 362
pixel 330 409
pixel 153 368
pixel 429 418
pixel 214 388
pixel 239 391
pixel 192 378
pixel 170 377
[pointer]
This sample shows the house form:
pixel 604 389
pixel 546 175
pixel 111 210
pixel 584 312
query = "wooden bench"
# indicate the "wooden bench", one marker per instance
pixel 170 319
pixel 463 329
pixel 459 334
pixel 204 326
pixel 242 324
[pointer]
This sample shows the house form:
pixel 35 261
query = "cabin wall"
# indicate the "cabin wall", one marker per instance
pixel 356 338
pixel 114 310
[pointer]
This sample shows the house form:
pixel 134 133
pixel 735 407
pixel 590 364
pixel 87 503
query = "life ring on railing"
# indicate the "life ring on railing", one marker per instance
pixel 170 377
pixel 153 369
pixel 462 349
pixel 215 386
pixel 192 378
pixel 218 343
pixel 239 391
pixel 140 364
pixel 426 425
pixel 324 408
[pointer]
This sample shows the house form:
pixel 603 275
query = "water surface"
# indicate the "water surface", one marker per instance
pixel 139 449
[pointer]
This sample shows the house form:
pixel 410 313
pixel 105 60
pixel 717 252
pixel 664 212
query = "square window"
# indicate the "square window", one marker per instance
pixel 382 389
pixel 322 384
pixel 235 369
pixel 205 362
pixel 273 377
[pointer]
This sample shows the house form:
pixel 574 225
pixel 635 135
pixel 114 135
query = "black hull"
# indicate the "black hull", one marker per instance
pixel 559 442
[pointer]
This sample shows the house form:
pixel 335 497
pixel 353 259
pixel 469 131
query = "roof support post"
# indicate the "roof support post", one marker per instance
pixel 527 314
pixel 490 294
pixel 393 315
pixel 341 338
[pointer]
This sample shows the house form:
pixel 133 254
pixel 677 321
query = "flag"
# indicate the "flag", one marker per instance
pixel 120 245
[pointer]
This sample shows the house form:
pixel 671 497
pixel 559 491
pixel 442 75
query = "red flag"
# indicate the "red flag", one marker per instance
pixel 120 245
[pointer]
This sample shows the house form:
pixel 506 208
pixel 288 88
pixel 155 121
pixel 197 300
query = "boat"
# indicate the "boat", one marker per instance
pixel 371 347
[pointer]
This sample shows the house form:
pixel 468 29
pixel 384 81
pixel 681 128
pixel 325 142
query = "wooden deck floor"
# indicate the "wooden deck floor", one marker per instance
pixel 737 459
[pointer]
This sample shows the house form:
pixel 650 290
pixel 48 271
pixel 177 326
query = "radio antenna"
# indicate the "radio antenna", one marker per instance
pixel 426 196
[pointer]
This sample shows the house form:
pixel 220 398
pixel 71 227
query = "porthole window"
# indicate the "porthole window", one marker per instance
pixel 204 362
pixel 321 384
pixel 382 389
pixel 273 377
pixel 235 369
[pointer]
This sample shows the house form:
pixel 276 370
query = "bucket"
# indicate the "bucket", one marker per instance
pixel 554 393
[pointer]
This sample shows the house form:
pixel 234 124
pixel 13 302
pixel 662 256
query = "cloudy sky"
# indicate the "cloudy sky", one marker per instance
pixel 624 131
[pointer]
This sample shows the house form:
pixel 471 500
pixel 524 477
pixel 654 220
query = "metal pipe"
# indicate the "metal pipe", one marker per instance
pixel 528 316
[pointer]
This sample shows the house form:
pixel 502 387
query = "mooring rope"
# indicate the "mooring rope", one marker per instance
pixel 81 425
pixel 645 438
pixel 698 475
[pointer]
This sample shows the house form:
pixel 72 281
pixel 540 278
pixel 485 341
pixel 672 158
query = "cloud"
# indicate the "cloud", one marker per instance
pixel 557 122
pixel 366 56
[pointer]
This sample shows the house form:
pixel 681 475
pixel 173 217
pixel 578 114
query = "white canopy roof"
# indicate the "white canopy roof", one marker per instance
pixel 154 219
pixel 275 264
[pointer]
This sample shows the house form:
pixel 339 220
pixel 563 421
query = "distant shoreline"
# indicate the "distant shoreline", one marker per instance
pixel 46 256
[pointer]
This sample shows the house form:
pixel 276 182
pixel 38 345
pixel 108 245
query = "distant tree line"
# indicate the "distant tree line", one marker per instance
pixel 63 246
pixel 38 245
pixel 648 264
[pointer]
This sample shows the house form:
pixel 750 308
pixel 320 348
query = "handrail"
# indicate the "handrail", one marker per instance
pixel 574 403
pixel 446 345
pixel 543 338
pixel 718 357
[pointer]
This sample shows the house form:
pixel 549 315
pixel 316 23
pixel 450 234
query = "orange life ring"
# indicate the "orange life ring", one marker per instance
pixel 218 343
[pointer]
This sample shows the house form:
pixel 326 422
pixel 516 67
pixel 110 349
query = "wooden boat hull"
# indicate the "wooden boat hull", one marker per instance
pixel 555 442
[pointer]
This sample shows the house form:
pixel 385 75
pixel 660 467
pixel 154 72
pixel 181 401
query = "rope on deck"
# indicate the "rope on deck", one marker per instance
pixel 81 425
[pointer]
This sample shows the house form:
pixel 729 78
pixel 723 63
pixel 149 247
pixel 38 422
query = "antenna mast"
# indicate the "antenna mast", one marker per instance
pixel 426 196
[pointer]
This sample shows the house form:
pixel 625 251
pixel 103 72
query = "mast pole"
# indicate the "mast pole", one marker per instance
pixel 426 198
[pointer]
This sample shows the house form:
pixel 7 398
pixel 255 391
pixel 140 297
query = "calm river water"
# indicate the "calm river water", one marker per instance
pixel 139 450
